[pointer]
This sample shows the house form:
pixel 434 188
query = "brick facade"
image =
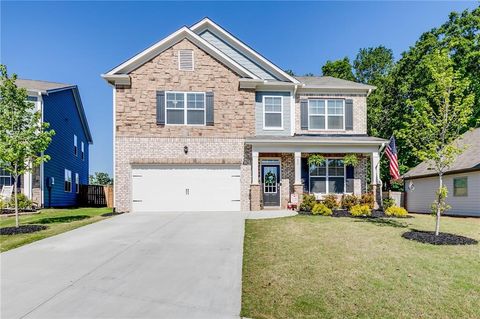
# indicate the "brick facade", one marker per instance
pixel 136 105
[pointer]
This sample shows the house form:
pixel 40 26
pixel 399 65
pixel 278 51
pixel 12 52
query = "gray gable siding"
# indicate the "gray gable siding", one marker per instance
pixel 286 109
pixel 236 55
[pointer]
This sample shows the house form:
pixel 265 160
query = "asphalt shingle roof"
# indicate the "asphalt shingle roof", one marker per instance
pixel 468 160
pixel 42 86
pixel 331 82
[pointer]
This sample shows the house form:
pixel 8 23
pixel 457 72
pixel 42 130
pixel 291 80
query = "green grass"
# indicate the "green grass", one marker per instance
pixel 57 220
pixel 324 267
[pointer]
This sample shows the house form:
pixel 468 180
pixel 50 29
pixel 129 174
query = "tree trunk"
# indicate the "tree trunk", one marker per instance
pixel 439 199
pixel 17 222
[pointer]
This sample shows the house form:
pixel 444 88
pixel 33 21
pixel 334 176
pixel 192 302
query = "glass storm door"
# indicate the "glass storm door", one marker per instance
pixel 271 185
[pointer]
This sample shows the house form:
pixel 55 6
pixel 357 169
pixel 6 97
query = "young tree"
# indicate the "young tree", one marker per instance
pixel 341 69
pixel 438 118
pixel 23 137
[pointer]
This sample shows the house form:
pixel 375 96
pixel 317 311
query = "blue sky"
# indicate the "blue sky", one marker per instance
pixel 74 42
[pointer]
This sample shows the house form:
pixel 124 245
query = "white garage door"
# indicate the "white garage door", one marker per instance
pixel 185 188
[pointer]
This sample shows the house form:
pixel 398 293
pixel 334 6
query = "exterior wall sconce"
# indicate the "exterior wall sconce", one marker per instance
pixel 185 149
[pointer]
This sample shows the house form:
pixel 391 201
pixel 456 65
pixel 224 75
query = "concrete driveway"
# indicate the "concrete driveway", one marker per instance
pixel 155 265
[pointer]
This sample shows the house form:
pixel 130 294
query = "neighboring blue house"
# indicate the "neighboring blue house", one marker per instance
pixel 56 182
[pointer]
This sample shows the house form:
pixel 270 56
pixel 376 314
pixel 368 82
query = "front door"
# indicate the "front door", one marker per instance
pixel 271 185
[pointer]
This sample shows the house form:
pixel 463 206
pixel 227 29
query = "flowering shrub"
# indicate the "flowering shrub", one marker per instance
pixel 396 211
pixel 360 210
pixel 321 209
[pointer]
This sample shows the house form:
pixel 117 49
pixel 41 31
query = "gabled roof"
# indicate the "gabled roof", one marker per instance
pixel 329 82
pixel 226 48
pixel 154 50
pixel 46 88
pixel 208 25
pixel 469 160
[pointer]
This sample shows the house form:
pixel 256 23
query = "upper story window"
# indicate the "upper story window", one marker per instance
pixel 75 145
pixel 326 114
pixel 185 108
pixel 185 60
pixel 460 186
pixel 82 151
pixel 272 112
pixel 68 180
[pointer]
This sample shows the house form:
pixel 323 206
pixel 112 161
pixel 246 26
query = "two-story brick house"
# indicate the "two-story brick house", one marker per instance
pixel 203 122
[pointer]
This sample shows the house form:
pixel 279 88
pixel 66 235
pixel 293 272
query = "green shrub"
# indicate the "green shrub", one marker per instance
pixel 23 201
pixel 388 202
pixel 348 201
pixel 367 199
pixel 360 210
pixel 331 201
pixel 321 209
pixel 396 211
pixel 3 204
pixel 308 201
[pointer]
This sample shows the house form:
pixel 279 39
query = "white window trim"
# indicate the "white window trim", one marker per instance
pixel 193 61
pixel 453 184
pixel 66 180
pixel 75 145
pixel 326 115
pixel 273 128
pixel 77 183
pixel 327 176
pixel 185 108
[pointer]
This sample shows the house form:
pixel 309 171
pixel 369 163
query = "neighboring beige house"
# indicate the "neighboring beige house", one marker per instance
pixel 462 181
pixel 202 122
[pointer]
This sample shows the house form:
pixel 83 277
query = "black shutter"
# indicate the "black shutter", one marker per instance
pixel 350 171
pixel 209 108
pixel 161 107
pixel 305 174
pixel 304 114
pixel 349 115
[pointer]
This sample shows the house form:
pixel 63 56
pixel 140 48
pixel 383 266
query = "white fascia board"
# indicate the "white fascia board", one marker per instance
pixel 205 23
pixel 331 90
pixel 117 79
pixel 312 142
pixel 169 41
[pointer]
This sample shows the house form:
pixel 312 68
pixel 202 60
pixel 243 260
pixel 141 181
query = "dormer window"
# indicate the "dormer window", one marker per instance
pixel 185 60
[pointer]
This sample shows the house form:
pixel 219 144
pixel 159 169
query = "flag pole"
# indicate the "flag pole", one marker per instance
pixel 376 167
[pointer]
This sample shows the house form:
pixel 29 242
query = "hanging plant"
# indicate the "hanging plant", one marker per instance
pixel 316 160
pixel 351 159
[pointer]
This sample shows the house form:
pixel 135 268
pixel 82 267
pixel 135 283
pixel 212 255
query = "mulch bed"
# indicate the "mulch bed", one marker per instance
pixel 112 214
pixel 22 229
pixel 429 237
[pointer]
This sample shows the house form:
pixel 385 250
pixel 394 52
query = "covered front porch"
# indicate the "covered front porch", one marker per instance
pixel 281 168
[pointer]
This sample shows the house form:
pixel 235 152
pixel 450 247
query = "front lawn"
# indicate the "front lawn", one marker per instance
pixel 325 267
pixel 57 221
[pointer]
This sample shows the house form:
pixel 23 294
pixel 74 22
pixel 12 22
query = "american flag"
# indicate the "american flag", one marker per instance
pixel 391 151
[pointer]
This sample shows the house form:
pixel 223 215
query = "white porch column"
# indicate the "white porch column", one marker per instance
pixel 255 168
pixel 298 168
pixel 27 184
pixel 375 159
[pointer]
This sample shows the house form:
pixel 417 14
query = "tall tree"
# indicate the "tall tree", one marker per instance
pixel 100 178
pixel 373 66
pixel 437 118
pixel 23 136
pixel 341 69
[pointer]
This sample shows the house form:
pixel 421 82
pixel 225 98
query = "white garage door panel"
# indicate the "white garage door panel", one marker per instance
pixel 186 188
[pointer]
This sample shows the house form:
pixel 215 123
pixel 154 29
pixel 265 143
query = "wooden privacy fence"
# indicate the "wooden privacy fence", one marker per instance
pixel 95 196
